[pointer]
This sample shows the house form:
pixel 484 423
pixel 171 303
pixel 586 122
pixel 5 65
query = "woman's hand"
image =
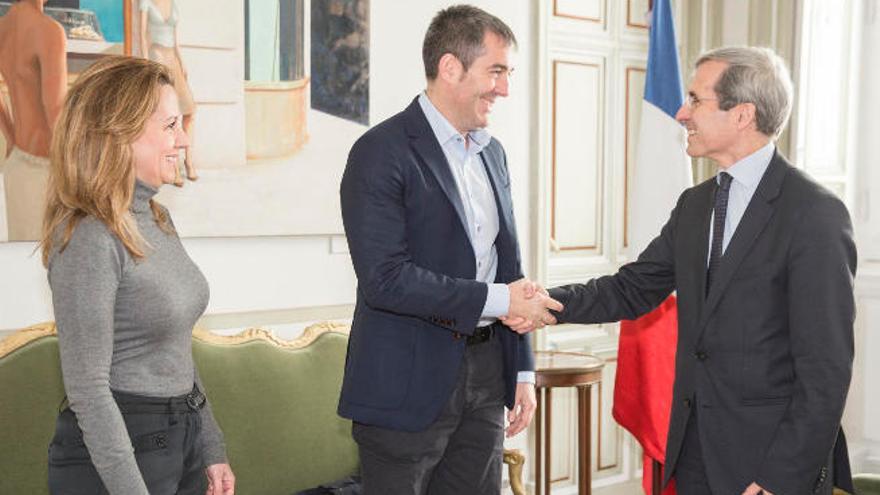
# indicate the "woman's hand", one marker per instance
pixel 221 481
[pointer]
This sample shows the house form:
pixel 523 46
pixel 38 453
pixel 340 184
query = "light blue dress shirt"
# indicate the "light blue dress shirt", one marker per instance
pixel 746 175
pixel 481 211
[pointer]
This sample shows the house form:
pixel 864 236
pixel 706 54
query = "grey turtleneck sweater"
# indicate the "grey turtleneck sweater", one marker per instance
pixel 126 325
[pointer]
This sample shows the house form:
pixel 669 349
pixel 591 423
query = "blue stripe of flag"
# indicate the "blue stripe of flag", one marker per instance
pixel 663 84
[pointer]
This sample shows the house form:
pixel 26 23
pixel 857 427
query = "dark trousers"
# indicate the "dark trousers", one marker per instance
pixel 460 453
pixel 166 449
pixel 690 472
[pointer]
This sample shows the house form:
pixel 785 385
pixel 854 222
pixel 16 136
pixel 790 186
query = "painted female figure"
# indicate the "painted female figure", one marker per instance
pixel 159 42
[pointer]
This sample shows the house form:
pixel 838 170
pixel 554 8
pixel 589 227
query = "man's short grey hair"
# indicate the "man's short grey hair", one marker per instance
pixel 758 76
pixel 460 30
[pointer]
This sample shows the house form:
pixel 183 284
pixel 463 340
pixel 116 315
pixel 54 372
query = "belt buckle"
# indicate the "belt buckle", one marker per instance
pixel 195 400
pixel 480 335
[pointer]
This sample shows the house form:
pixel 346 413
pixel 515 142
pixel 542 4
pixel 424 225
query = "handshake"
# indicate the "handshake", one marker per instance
pixel 530 307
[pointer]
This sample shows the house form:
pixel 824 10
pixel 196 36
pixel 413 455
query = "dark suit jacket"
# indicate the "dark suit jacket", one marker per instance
pixel 766 357
pixel 415 267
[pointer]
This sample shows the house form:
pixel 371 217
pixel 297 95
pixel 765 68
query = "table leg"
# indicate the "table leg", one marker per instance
pixel 657 480
pixel 584 412
pixel 548 416
pixel 539 426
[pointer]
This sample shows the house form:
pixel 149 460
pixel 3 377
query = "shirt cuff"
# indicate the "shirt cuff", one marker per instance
pixel 497 301
pixel 525 377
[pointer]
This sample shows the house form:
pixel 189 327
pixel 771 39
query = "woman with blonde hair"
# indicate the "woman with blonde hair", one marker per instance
pixel 126 295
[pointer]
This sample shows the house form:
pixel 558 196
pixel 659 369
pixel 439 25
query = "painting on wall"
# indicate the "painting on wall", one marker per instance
pixel 340 58
pixel 306 71
pixel 295 139
pixel 273 39
pixel 93 27
pixel 277 109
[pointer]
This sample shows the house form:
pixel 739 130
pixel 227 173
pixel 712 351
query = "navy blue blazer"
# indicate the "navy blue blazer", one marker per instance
pixel 415 266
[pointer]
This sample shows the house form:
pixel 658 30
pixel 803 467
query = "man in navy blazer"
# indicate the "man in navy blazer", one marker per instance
pixel 427 209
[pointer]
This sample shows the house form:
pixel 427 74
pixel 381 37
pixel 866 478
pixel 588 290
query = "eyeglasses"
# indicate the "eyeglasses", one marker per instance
pixel 694 101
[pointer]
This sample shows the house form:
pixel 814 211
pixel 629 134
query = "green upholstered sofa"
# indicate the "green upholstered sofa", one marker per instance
pixel 867 484
pixel 275 401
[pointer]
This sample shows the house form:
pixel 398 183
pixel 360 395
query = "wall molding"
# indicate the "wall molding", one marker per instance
pixel 597 20
pixel 260 318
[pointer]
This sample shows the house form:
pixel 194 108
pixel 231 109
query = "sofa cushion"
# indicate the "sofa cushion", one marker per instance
pixel 276 404
pixel 867 484
pixel 30 393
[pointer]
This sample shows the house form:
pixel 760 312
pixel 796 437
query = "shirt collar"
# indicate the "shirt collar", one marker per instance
pixel 749 170
pixel 444 131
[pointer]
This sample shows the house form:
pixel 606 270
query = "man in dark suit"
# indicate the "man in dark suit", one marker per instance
pixel 763 260
pixel 427 209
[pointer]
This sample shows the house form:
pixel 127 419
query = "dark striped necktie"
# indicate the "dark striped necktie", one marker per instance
pixel 722 193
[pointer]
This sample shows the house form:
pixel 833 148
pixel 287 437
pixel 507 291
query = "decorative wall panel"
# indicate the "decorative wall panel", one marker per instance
pixel 586 10
pixel 635 90
pixel 577 155
pixel 637 13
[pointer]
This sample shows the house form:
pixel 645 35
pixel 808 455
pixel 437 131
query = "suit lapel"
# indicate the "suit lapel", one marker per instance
pixel 755 218
pixel 424 142
pixel 498 179
pixel 506 243
pixel 702 243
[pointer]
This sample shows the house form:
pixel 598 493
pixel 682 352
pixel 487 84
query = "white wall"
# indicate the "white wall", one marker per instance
pixel 863 405
pixel 260 273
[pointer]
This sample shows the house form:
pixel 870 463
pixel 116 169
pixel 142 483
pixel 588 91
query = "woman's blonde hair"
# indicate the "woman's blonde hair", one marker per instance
pixel 92 163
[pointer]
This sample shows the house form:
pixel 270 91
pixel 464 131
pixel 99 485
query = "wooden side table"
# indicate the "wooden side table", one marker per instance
pixel 564 369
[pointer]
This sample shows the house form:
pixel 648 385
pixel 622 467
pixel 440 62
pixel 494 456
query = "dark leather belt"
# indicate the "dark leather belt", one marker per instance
pixel 134 404
pixel 480 335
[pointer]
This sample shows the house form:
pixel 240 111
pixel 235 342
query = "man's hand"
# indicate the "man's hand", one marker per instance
pixel 520 324
pixel 529 305
pixel 221 481
pixel 755 489
pixel 523 409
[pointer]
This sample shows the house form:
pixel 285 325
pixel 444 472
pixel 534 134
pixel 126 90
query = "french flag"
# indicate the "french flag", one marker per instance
pixel 662 170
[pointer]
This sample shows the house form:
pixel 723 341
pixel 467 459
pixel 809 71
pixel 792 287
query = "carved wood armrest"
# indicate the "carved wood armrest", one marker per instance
pixel 515 461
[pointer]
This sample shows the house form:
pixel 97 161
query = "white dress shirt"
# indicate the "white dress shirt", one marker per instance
pixel 481 211
pixel 746 175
